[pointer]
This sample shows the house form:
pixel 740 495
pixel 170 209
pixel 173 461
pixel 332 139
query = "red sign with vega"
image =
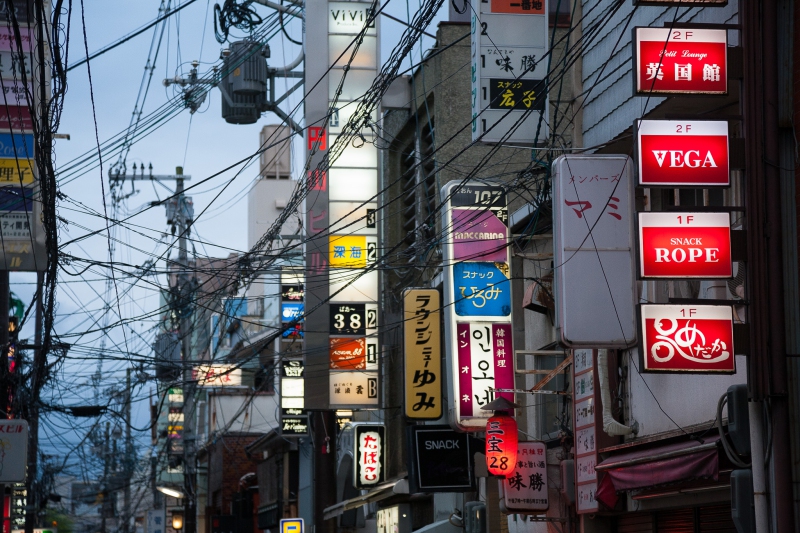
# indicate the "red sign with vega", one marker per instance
pixel 672 153
pixel 685 245
pixel 687 338
pixel 688 61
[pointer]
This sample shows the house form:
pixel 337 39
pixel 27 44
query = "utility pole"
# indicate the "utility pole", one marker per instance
pixel 5 382
pixel 185 335
pixel 126 516
pixel 37 376
pixel 179 214
pixel 104 488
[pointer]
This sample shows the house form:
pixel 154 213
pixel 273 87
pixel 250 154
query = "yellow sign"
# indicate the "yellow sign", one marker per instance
pixel 351 251
pixel 291 525
pixel 423 356
pixel 16 171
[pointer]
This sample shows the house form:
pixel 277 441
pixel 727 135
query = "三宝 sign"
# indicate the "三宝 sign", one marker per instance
pixel 687 338
pixel 369 454
pixel 680 61
pixel 679 153
pixel 525 491
pixel 685 245
pixel 423 357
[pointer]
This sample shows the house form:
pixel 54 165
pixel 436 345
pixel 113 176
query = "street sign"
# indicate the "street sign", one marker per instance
pixel 509 46
pixel 682 153
pixel 482 289
pixel 680 61
pixel 593 243
pixel 694 338
pixel 477 296
pixel 525 491
pixel 441 460
pixel 13 450
pixel 354 388
pixel 352 251
pixel 685 245
pixel 370 455
pixel 353 319
pixel 423 357
pixel 292 525
pixel 348 353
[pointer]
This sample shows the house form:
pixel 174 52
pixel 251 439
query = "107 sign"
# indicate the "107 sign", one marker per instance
pixel 353 319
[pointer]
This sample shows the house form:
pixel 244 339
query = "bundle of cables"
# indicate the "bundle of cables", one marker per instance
pixel 233 15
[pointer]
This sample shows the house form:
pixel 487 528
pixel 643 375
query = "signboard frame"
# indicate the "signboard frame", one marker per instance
pixel 422 354
pixel 360 428
pixel 682 129
pixel 690 333
pixel 415 466
pixel 690 217
pixel 651 90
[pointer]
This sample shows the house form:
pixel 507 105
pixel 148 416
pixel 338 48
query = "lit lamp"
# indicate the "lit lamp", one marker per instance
pixel 170 491
pixel 501 438
pixel 177 520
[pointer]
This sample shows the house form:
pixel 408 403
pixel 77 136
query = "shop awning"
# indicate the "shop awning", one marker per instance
pixel 671 463
pixel 377 494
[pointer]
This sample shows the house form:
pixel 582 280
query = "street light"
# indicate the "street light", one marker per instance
pixel 177 520
pixel 170 491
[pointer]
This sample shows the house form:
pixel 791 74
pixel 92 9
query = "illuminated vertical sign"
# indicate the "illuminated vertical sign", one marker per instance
pixel 341 210
pixel 477 299
pixel 682 153
pixel 508 67
pixel 680 61
pixel 370 455
pixel 695 339
pixel 685 245
pixel 423 358
pixel 525 491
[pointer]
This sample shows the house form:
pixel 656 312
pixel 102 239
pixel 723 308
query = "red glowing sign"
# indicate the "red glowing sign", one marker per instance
pixel 688 61
pixel 501 445
pixel 687 338
pixel 685 245
pixel 317 136
pixel 674 153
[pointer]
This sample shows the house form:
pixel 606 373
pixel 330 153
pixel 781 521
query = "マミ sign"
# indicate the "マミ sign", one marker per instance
pixel 676 153
pixel 683 61
pixel 423 358
pixel 369 454
pixel 685 245
pixel 525 491
pixel 687 338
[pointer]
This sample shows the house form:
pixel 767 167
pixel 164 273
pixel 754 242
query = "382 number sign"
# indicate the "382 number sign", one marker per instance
pixel 353 319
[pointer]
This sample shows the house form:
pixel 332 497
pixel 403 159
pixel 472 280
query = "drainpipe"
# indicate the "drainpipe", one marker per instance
pixel 610 426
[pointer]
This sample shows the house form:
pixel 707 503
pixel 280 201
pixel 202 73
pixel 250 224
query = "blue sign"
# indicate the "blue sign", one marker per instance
pixel 16 145
pixel 16 199
pixel 482 289
pixel 291 311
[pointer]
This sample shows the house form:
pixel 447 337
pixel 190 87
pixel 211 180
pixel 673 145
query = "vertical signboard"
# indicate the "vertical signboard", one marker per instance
pixel 593 219
pixel 525 491
pixel 342 356
pixel 695 339
pixel 585 427
pixel 370 455
pixel 508 68
pixel 680 61
pixel 423 358
pixel 294 419
pixel 22 237
pixel 477 297
pixel 682 153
